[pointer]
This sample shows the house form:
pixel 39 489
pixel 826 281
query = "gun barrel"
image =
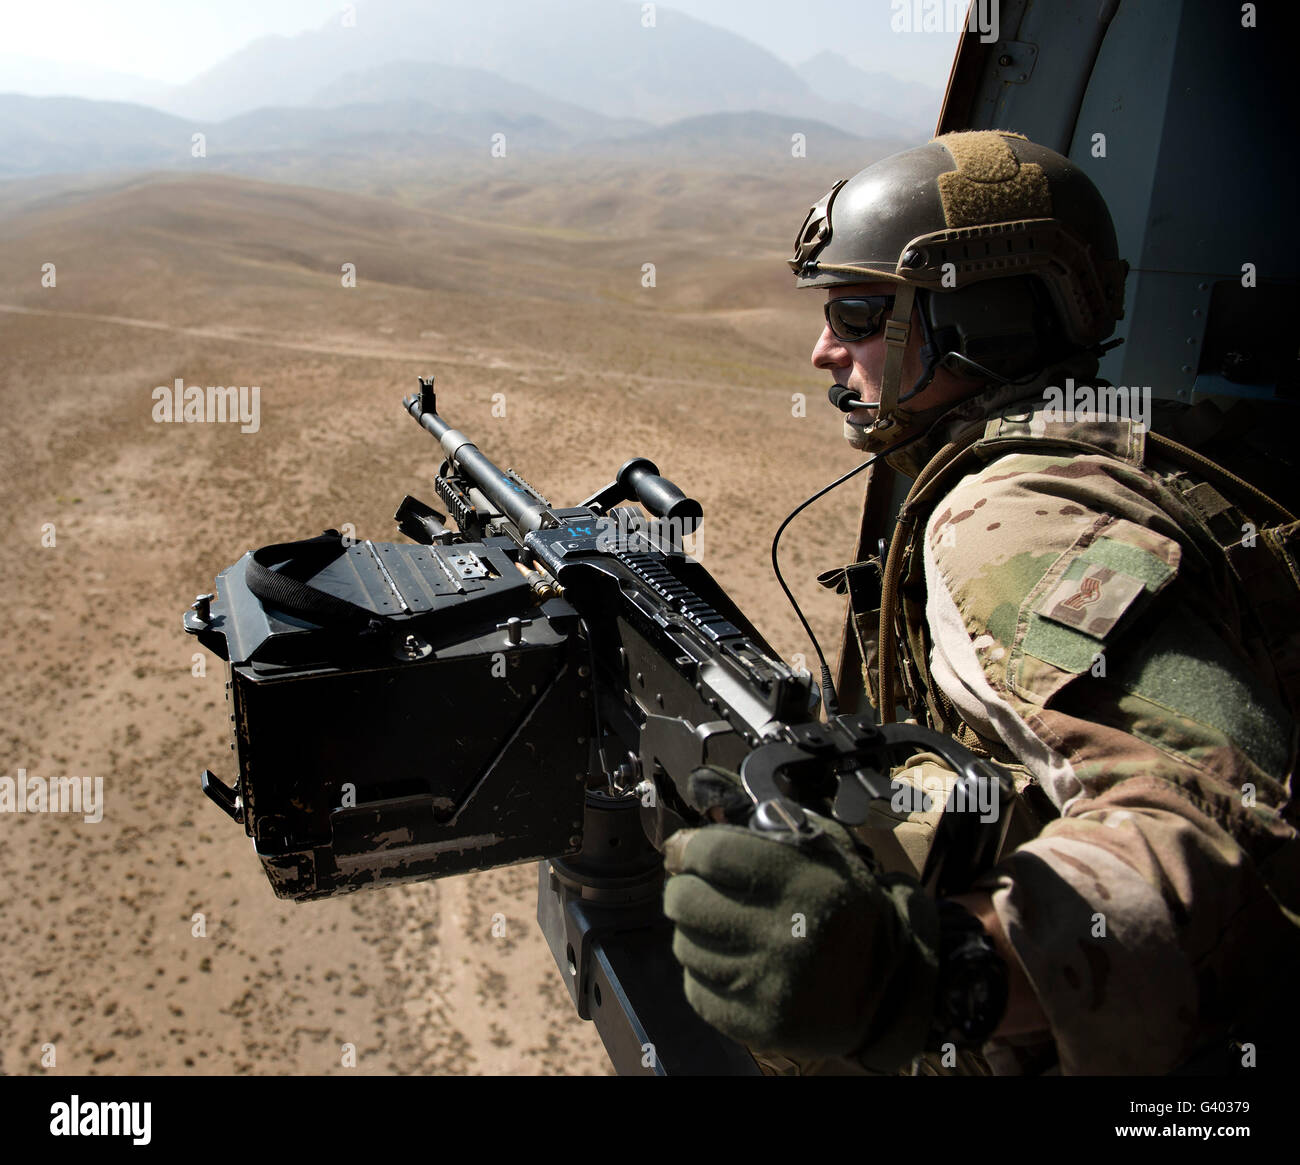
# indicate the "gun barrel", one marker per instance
pixel 514 499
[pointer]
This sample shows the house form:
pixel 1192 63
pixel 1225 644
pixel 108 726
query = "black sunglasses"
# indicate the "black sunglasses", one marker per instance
pixel 853 320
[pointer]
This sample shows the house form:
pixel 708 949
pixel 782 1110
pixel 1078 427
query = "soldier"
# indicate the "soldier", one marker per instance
pixel 1111 616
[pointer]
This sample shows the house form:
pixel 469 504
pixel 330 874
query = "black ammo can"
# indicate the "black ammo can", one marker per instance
pixel 444 729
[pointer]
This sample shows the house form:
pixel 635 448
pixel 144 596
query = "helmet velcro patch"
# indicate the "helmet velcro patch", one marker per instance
pixel 990 185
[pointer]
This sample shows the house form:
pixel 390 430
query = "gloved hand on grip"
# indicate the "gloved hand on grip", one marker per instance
pixel 800 949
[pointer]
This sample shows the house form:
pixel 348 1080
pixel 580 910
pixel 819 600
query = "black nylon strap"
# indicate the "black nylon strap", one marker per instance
pixel 285 592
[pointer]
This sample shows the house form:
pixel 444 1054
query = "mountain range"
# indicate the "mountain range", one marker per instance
pixel 437 80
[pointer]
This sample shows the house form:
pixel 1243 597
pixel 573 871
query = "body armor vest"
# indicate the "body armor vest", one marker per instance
pixel 1245 545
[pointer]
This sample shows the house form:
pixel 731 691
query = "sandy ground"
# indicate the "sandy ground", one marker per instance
pixel 229 281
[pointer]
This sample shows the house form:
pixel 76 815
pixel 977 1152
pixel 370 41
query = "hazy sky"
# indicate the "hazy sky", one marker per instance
pixel 174 40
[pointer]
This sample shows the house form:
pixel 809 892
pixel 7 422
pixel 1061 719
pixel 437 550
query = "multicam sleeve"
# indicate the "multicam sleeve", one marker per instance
pixel 1073 619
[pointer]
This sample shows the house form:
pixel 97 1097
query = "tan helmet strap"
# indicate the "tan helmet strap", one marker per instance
pixel 897 329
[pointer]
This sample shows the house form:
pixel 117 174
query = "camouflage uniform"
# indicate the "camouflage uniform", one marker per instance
pixel 1075 598
pixel 1073 619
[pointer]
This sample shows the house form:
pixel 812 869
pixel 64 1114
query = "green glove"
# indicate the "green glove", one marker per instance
pixel 801 949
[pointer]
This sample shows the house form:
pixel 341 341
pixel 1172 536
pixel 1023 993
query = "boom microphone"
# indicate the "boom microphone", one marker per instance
pixel 846 399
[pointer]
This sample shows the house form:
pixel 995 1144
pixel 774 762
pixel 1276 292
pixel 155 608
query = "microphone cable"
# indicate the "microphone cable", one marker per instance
pixel 830 700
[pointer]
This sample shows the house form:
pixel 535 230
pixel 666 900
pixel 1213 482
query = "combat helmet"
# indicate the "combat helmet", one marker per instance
pixel 1007 247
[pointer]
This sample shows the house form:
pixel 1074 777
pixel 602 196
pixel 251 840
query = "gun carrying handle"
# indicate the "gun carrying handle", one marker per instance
pixel 640 478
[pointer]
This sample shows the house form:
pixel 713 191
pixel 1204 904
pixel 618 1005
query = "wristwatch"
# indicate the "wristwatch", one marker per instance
pixel 972 994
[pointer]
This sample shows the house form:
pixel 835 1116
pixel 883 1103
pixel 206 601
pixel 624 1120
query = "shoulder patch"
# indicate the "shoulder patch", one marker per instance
pixel 1091 598
pixel 1094 588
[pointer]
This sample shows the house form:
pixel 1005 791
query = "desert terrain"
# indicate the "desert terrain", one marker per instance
pixel 523 281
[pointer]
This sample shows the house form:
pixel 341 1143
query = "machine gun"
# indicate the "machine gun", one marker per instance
pixel 538 685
